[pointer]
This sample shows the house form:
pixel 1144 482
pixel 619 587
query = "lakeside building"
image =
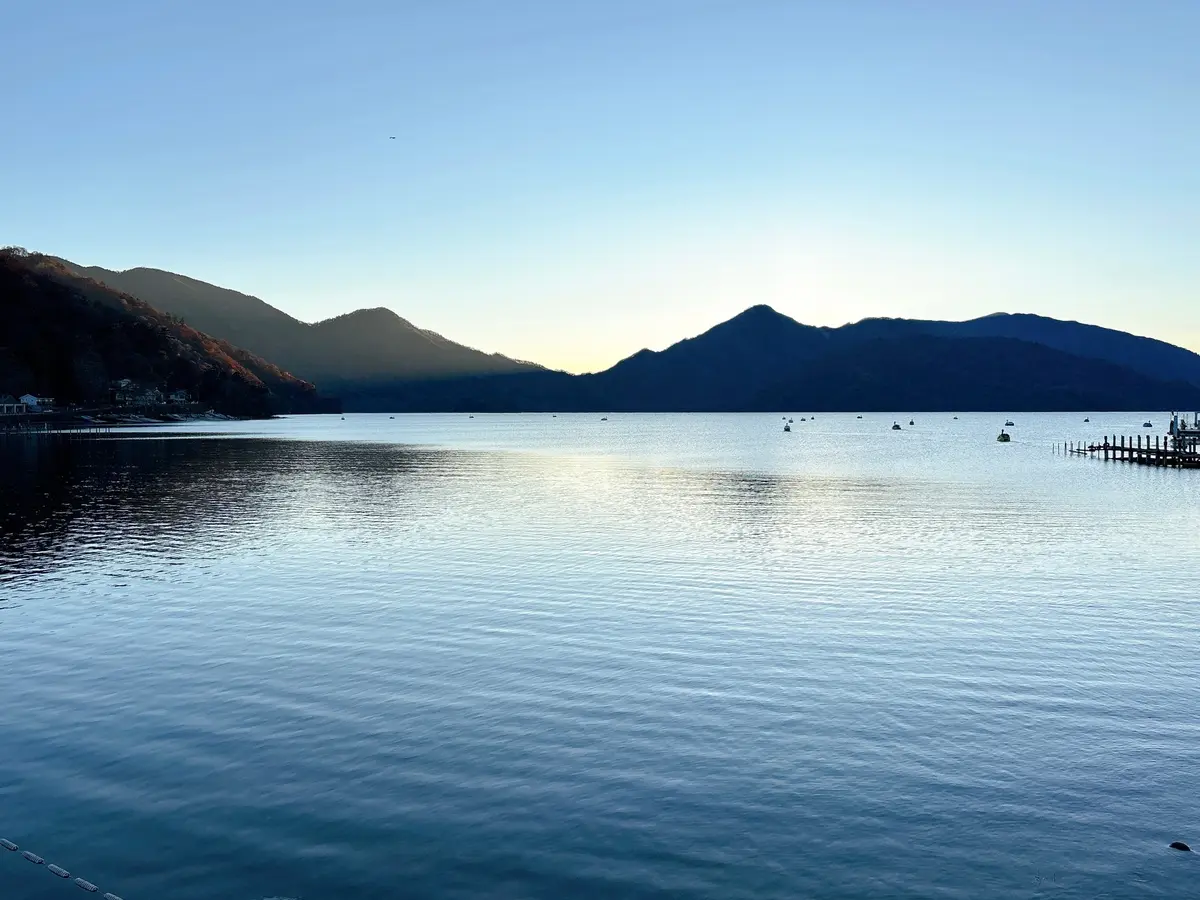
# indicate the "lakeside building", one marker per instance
pixel 34 403
pixel 11 406
pixel 128 392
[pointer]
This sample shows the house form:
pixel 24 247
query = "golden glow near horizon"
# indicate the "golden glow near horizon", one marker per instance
pixel 638 294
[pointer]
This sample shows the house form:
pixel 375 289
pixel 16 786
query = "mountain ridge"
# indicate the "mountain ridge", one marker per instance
pixel 360 345
pixel 378 359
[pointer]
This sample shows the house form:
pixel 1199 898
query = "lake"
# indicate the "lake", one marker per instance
pixel 527 656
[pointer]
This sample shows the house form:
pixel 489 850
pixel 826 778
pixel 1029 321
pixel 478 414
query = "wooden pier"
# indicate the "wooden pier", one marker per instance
pixel 1180 452
pixel 31 427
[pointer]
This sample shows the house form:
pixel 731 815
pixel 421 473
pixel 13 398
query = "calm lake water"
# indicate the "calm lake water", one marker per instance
pixel 658 656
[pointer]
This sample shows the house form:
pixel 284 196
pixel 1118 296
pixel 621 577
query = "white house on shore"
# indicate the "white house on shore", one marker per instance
pixel 11 406
pixel 33 403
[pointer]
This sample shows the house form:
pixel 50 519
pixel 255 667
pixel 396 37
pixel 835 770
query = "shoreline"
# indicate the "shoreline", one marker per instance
pixel 42 423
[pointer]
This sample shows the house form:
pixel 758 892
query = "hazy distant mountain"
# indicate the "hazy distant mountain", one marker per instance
pixel 723 368
pixel 762 360
pixel 364 346
pixel 926 372
pixel 68 337
pixel 760 356
pixel 1154 358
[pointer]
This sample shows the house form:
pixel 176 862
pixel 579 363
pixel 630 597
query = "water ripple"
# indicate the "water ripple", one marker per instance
pixel 527 657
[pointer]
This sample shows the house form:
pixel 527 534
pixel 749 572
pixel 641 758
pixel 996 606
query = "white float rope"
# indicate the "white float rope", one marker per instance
pixel 55 870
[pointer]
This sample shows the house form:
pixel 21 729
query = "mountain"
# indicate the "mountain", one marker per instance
pixel 724 368
pixel 763 360
pixel 361 347
pixel 924 372
pixel 69 337
pixel 374 344
pixel 759 359
pixel 1153 358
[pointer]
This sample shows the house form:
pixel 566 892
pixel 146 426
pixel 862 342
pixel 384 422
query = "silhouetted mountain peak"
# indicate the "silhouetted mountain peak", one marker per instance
pixel 374 316
pixel 758 309
pixel 760 315
pixel 761 322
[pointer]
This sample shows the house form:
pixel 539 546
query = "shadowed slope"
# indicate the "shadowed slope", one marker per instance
pixel 68 337
pixel 361 346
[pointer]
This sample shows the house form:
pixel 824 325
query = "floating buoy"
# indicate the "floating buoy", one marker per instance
pixel 86 885
pixel 1180 845
pixel 7 845
pixel 58 870
pixel 32 857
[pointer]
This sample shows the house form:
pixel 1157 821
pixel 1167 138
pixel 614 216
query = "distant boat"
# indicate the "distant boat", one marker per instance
pixel 896 426
pixel 1086 419
pixel 604 418
pixel 787 427
pixel 1009 423
pixel 860 417
pixel 1147 424
pixel 391 417
pixel 1003 437
pixel 790 421
pixel 802 419
pixel 956 418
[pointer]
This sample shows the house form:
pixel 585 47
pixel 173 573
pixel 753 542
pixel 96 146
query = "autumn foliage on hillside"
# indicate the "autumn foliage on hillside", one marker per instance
pixel 69 337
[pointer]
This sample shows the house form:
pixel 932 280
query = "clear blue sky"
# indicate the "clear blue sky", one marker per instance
pixel 572 181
